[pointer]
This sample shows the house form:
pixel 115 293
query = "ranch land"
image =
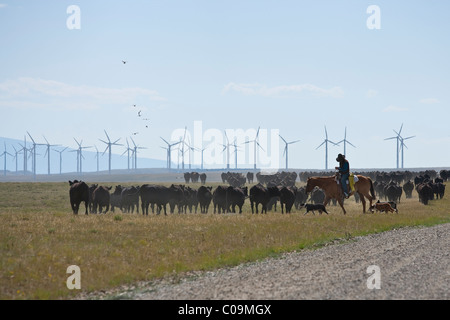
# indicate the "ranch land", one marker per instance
pixel 40 238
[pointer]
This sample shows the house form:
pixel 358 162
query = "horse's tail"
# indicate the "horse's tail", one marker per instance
pixel 372 191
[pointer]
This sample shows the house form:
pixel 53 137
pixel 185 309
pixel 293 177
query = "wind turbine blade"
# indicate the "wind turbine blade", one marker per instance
pixel 409 137
pixel 351 144
pixel 165 141
pixel 107 135
pixel 400 129
pixel 133 141
pixel 292 142
pixel 260 146
pixel 30 137
pixel 283 139
pixel 103 141
pixel 79 144
pixel 326 133
pixel 321 144
pixel 257 133
pixel 336 144
pixel 391 138
pixel 116 141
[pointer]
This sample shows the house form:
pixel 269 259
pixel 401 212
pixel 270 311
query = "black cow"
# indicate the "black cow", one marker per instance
pixel 300 197
pixel 317 196
pixel 235 196
pixel 101 199
pixel 203 178
pixel 262 195
pixel 408 187
pixel 287 198
pixel 79 191
pixel 204 197
pixel 92 187
pixel 191 200
pixel 194 177
pixel 176 198
pixel 220 199
pixel 130 199
pixel 393 192
pixel 116 198
pixel 154 195
pixel 425 191
pixel 250 177
pixel 187 177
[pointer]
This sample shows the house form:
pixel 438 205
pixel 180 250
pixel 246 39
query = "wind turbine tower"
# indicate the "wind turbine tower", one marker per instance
pixel 345 141
pixel 109 144
pixel 286 149
pixel 47 153
pixel 326 141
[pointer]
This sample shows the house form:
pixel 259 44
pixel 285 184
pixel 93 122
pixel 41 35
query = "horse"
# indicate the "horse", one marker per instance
pixel 364 188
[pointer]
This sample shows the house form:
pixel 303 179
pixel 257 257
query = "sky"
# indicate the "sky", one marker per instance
pixel 222 69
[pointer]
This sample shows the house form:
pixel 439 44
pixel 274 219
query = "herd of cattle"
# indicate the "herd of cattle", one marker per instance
pixel 269 190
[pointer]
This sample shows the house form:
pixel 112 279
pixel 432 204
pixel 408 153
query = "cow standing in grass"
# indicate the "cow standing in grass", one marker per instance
pixel 79 192
pixel 101 199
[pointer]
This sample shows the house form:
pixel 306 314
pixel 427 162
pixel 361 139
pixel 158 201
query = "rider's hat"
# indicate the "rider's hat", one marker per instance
pixel 340 157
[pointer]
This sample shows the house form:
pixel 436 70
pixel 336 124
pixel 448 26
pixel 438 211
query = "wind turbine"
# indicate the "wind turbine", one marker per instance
pixel 47 152
pixel 169 152
pixel 227 147
pixel 190 148
pixel 25 155
pixel 346 141
pixel 109 144
pixel 33 150
pixel 286 149
pixel 235 153
pixel 17 152
pixel 326 147
pixel 128 153
pixel 80 155
pixel 400 144
pixel 97 155
pixel 60 158
pixel 255 143
pixel 135 149
pixel 5 153
pixel 202 150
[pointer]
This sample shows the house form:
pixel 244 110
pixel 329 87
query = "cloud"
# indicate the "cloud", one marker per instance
pixel 278 91
pixel 429 101
pixel 3 5
pixel 392 108
pixel 35 91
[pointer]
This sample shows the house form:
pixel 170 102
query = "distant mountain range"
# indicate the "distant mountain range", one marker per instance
pixel 69 159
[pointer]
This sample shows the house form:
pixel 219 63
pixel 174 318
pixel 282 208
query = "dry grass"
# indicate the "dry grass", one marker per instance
pixel 40 238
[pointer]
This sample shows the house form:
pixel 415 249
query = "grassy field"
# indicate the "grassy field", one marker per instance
pixel 40 238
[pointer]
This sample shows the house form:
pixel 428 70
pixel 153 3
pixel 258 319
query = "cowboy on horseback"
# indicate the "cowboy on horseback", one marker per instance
pixel 344 171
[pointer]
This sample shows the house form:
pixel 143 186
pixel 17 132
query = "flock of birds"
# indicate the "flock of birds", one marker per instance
pixel 139 113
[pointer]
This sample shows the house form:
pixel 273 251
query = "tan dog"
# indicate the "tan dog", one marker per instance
pixel 383 207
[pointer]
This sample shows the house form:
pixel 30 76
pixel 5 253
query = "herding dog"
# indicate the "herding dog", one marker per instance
pixel 383 207
pixel 312 207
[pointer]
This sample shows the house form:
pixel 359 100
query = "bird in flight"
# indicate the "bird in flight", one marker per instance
pixel 123 61
pixel 139 113
pixel 135 133
pixel 134 105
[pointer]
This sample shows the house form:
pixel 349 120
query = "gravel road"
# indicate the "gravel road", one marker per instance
pixel 414 263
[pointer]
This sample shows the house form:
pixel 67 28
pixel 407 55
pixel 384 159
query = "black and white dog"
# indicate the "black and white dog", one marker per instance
pixel 313 207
